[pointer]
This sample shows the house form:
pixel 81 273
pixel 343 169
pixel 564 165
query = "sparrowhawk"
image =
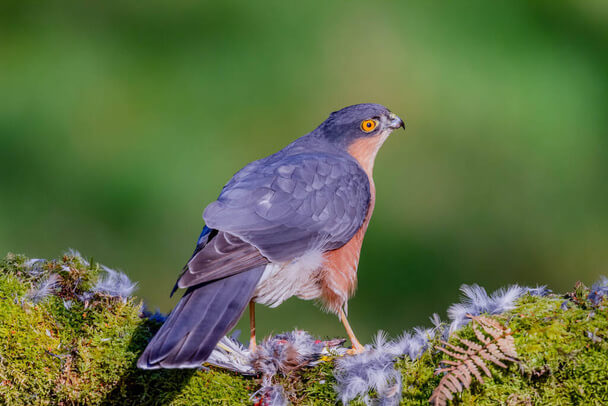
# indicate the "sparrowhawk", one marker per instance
pixel 290 224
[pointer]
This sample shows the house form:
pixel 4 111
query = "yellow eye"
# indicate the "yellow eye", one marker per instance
pixel 368 125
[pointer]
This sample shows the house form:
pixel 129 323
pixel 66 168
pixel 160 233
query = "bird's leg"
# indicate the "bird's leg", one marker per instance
pixel 357 347
pixel 252 344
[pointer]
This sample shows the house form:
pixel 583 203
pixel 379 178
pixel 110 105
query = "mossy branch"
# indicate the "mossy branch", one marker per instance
pixel 67 345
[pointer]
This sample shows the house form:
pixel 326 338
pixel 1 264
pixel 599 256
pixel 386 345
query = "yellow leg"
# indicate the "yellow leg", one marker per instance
pixel 252 344
pixel 357 347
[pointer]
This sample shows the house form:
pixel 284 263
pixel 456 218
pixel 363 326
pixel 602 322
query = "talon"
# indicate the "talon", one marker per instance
pixel 356 349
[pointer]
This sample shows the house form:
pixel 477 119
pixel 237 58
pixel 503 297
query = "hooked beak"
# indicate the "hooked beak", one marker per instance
pixel 395 122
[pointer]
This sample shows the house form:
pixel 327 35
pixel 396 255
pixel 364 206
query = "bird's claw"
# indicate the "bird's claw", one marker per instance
pixel 356 349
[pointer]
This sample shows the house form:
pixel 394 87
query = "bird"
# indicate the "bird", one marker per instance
pixel 289 224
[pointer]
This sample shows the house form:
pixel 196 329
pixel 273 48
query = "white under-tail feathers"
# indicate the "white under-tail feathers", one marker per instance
pixel 279 282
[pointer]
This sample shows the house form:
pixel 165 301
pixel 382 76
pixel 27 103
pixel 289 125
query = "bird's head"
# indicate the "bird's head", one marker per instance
pixel 360 129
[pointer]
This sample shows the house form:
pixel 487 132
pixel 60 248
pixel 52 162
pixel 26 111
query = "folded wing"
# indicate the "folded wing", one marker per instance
pixel 285 206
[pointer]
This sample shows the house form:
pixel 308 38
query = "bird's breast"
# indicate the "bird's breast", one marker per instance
pixel 339 275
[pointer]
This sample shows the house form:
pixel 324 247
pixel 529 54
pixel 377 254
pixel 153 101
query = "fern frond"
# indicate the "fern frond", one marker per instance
pixel 496 344
pixel 480 336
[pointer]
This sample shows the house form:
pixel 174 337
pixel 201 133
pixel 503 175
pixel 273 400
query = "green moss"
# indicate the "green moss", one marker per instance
pixel 85 353
pixel 559 363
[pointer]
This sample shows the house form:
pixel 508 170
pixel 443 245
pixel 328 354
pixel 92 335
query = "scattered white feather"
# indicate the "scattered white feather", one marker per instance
pixel 114 283
pixel 34 266
pixel 274 355
pixel 436 320
pixel 414 344
pixel 229 353
pixel 280 281
pixel 74 253
pixel 356 376
pixel 273 395
pixel 476 301
pixel 45 288
pixel 285 352
pixel 85 296
pixel 541 290
pixel 373 369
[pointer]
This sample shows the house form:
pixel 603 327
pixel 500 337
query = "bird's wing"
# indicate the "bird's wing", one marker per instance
pixel 278 209
pixel 217 255
pixel 287 205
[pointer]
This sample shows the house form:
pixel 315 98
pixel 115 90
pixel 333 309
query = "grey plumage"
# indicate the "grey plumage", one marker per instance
pixel 414 344
pixel 201 318
pixel 294 201
pixel 311 196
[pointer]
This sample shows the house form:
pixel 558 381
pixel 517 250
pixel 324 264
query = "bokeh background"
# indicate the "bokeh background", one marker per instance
pixel 121 120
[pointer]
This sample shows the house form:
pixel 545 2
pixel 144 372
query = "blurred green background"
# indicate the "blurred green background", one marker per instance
pixel 120 121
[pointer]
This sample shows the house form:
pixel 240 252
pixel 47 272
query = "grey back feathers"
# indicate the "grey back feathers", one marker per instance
pixel 293 202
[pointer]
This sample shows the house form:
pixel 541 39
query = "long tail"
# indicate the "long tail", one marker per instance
pixel 202 317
